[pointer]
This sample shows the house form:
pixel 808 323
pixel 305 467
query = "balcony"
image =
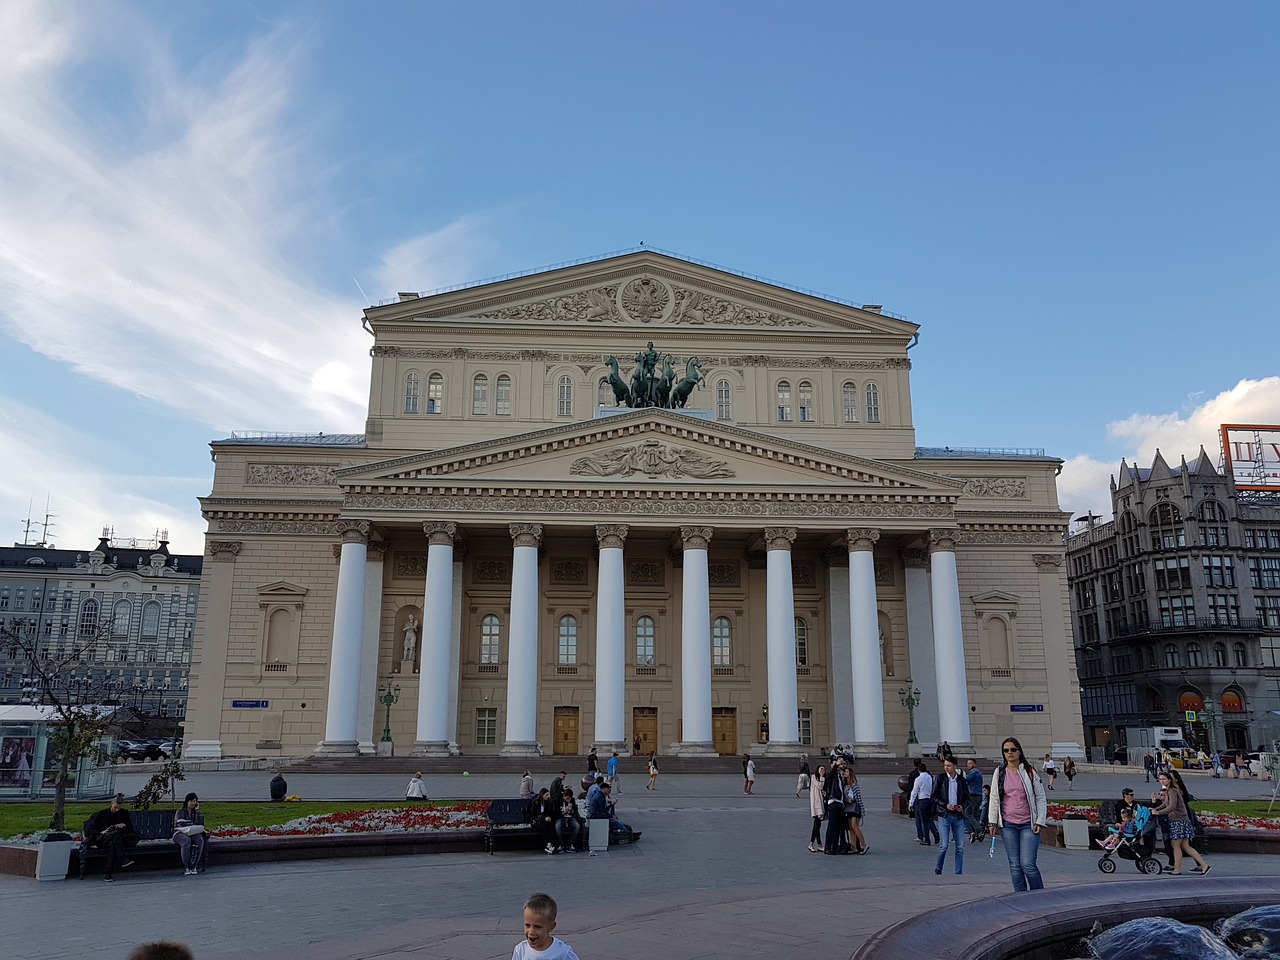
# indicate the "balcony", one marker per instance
pixel 1197 625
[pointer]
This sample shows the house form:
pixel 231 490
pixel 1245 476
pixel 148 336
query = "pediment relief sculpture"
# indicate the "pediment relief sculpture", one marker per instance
pixel 645 299
pixel 652 458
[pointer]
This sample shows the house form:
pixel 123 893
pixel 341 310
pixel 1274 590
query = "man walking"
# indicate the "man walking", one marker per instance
pixel 613 775
pixel 1149 765
pixel 973 781
pixel 950 799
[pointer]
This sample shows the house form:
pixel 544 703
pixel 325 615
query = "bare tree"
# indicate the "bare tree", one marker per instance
pixel 60 676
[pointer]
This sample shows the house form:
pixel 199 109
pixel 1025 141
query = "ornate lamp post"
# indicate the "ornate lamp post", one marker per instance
pixel 1212 714
pixel 909 697
pixel 388 695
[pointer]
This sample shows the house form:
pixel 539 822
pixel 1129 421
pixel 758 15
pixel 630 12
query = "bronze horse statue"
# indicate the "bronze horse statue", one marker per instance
pixel 692 377
pixel 621 393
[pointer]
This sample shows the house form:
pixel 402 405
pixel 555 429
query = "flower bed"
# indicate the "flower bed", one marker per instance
pixel 1216 821
pixel 468 815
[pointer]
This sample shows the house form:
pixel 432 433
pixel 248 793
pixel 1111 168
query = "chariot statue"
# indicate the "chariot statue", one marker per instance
pixel 653 381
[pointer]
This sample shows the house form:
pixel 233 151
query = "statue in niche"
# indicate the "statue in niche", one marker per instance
pixel 410 640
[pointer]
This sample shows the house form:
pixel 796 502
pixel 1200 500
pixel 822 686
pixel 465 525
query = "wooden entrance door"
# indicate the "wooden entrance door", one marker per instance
pixel 566 731
pixel 724 730
pixel 644 724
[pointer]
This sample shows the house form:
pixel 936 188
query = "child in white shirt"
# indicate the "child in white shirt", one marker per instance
pixel 539 923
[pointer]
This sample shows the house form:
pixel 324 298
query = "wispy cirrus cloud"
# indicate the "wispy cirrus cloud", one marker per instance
pixel 1085 481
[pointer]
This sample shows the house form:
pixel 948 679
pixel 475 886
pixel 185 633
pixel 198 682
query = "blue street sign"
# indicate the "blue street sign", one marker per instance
pixel 250 704
pixel 1026 708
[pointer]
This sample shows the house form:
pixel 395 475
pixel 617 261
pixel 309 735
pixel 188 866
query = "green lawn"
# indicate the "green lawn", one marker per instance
pixel 19 818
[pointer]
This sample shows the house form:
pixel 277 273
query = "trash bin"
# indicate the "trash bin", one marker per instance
pixel 54 856
pixel 598 836
pixel 1075 832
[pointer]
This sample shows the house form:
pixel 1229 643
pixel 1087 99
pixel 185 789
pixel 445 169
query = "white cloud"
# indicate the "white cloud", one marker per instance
pixel 1085 481
pixel 47 457
pixel 431 260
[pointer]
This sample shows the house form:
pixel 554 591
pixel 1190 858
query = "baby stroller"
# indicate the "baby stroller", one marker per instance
pixel 1137 847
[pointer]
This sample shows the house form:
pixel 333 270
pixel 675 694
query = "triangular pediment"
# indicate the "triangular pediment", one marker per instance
pixel 281 590
pixel 646 289
pixel 646 447
pixel 996 598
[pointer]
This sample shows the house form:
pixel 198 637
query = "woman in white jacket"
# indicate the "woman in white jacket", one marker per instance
pixel 1018 809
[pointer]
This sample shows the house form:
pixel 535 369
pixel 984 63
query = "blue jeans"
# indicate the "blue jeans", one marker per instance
pixel 1021 845
pixel 953 825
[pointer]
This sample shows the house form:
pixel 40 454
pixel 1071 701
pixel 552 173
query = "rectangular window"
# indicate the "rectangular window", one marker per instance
pixel 1177 612
pixel 1173 574
pixel 486 726
pixel 1269 611
pixel 806 727
pixel 1218 572
pixel 1213 536
pixel 1264 573
pixel 1270 651
pixel 502 397
pixel 724 401
pixel 1224 609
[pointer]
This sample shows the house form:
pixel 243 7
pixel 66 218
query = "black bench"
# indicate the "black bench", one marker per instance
pixel 154 829
pixel 508 822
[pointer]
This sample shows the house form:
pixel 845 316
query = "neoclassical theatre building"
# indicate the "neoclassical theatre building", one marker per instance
pixel 635 499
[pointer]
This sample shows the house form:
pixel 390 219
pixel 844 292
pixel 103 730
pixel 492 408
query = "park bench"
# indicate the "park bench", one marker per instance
pixel 508 822
pixel 155 840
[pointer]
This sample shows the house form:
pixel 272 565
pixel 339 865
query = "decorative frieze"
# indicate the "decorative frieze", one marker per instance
pixel 290 474
pixel 644 573
pixel 571 571
pixel 995 488
pixel 412 565
pixel 883 568
pixel 803 575
pixel 724 574
pixel 305 528
pixel 653 458
pixel 737 362
pixel 1048 562
pixel 491 570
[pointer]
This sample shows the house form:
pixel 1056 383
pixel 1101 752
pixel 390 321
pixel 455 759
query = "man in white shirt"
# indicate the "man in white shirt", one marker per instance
pixel 921 803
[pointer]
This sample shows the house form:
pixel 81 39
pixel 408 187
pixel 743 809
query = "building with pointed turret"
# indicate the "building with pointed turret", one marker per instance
pixel 1175 605
pixel 636 500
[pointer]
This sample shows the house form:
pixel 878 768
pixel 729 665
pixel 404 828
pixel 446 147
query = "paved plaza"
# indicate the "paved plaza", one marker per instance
pixel 717 874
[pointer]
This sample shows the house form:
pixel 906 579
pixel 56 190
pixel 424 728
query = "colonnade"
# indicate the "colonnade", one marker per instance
pixel 437 702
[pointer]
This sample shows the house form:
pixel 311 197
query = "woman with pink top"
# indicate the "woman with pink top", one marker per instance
pixel 1018 810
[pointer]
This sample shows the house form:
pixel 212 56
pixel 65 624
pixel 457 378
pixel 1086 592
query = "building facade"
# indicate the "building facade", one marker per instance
pixel 136 604
pixel 1176 607
pixel 632 500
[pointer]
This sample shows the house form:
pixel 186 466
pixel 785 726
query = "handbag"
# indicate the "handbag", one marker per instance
pixel 191 829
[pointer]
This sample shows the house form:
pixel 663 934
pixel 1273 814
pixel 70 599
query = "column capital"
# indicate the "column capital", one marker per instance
pixel 377 550
pixel 942 540
pixel 526 534
pixel 862 538
pixel 224 551
pixel 440 532
pixel 611 535
pixel 695 538
pixel 779 538
pixel 915 557
pixel 352 531
pixel 1048 562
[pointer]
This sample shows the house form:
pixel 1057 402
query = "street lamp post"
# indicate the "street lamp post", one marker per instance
pixel 1212 716
pixel 909 696
pixel 387 695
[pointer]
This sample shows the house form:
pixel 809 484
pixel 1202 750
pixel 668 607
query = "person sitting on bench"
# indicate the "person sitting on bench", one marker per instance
pixel 112 830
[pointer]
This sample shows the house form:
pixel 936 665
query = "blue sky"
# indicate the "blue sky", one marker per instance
pixel 1077 202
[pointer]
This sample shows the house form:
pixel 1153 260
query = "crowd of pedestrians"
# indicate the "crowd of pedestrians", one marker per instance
pixel 561 815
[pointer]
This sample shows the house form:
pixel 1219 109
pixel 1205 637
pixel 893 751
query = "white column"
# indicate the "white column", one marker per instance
pixel 948 640
pixel 924 669
pixel 611 642
pixel 695 646
pixel 864 640
pixel 369 642
pixel 455 655
pixel 780 629
pixel 343 706
pixel 522 657
pixel 434 668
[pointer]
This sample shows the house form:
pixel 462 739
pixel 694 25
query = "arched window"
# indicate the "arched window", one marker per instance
pixel 873 403
pixel 644 642
pixel 568 639
pixel 849 401
pixel 1171 656
pixel 1167 532
pixel 89 618
pixel 279 629
pixel 502 397
pixel 997 632
pixel 802 642
pixel 804 396
pixel 721 643
pixel 784 401
pixel 564 394
pixel 1239 654
pixel 1193 655
pixel 412 389
pixel 480 396
pixel 1211 512
pixel 150 620
pixel 435 393
pixel 724 400
pixel 604 394
pixel 1219 654
pixel 1190 700
pixel 121 613
pixel 490 638
pixel 1232 702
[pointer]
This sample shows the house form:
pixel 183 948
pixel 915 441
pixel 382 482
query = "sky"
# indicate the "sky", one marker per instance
pixel 1078 203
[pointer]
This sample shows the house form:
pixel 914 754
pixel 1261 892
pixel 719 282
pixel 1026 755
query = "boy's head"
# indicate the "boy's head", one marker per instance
pixel 1126 815
pixel 539 920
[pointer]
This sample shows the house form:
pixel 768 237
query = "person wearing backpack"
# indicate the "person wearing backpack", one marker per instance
pixel 1017 812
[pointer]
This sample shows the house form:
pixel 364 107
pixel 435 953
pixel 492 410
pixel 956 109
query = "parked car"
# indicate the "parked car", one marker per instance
pixel 1256 761
pixel 141 750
